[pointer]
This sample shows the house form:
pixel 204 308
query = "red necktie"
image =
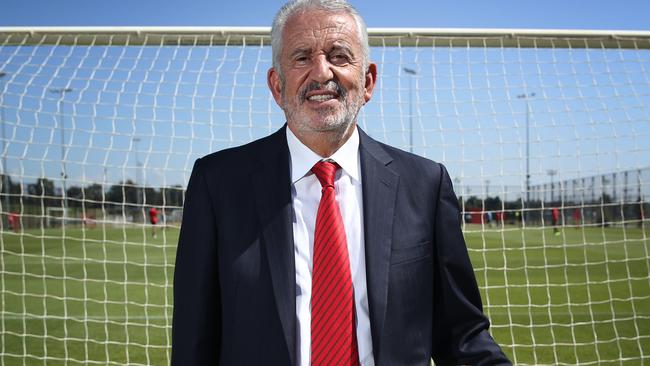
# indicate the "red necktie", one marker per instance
pixel 333 334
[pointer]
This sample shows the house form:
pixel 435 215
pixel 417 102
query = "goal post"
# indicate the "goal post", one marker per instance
pixel 544 133
pixel 56 217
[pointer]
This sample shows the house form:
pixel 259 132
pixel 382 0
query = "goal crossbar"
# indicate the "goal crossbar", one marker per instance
pixel 233 36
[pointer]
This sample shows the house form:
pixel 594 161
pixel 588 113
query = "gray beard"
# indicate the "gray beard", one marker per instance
pixel 336 123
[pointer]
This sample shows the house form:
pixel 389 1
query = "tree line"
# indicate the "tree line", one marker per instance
pixel 44 191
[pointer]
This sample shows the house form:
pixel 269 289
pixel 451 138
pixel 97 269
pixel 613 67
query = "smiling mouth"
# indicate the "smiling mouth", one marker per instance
pixel 321 93
pixel 321 97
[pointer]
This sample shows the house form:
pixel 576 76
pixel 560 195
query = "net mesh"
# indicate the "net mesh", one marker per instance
pixel 544 134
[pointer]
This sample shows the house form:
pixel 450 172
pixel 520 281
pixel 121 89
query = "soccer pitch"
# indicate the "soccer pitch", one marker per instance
pixel 104 295
pixel 581 297
pixel 99 296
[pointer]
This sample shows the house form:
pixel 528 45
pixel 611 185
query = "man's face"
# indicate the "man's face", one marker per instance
pixel 324 83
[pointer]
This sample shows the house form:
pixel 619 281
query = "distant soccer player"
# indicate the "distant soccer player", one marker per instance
pixel 153 219
pixel 577 217
pixel 519 217
pixel 489 218
pixel 555 213
pixel 88 221
pixel 13 221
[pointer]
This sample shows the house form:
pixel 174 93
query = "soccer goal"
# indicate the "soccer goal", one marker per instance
pixel 55 216
pixel 545 134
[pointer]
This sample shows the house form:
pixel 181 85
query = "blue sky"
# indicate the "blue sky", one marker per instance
pixel 589 117
pixel 572 14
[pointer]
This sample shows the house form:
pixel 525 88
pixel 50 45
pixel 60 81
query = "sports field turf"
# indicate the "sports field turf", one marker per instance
pixel 582 297
pixel 104 296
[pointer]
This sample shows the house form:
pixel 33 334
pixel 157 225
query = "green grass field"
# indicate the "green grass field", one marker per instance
pixel 99 295
pixel 104 296
pixel 582 297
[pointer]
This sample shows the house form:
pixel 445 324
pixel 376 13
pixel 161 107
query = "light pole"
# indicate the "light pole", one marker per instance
pixel 526 97
pixel 412 73
pixel 61 92
pixel 5 176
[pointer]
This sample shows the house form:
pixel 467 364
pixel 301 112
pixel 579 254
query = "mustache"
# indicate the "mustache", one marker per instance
pixel 331 85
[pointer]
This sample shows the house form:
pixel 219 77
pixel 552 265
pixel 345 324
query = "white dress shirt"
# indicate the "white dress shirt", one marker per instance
pixel 306 194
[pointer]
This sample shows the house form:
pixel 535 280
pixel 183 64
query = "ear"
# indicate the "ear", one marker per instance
pixel 371 80
pixel 273 81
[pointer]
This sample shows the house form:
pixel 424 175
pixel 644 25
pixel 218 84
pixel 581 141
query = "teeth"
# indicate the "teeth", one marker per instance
pixel 321 97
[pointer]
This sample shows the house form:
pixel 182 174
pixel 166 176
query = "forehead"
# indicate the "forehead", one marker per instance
pixel 318 28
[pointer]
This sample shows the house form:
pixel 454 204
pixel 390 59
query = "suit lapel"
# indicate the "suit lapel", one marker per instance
pixel 379 184
pixel 272 184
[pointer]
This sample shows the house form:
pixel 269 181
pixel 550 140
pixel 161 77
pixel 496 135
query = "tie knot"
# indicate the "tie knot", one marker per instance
pixel 325 172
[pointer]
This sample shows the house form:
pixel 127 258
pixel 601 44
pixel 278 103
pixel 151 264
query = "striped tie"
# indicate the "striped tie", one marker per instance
pixel 333 335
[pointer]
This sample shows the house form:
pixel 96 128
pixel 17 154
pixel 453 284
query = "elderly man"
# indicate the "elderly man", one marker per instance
pixel 318 245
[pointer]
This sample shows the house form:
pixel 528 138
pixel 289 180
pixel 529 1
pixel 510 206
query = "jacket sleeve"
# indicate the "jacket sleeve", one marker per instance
pixel 460 329
pixel 196 327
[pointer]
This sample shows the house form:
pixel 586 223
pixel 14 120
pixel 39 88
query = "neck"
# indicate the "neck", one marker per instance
pixel 324 143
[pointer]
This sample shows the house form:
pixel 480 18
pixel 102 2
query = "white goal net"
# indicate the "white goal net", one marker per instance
pixel 545 134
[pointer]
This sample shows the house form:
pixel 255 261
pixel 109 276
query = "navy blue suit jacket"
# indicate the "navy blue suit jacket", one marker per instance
pixel 234 281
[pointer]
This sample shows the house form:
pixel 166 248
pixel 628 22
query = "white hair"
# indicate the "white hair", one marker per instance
pixel 295 6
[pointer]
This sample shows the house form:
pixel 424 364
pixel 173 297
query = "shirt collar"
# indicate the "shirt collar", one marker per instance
pixel 303 158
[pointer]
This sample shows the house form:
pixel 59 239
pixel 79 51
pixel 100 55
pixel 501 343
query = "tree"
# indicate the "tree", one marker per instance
pixel 473 202
pixel 43 190
pixel 10 188
pixel 94 195
pixel 173 195
pixel 123 192
pixel 152 197
pixel 75 196
pixel 42 187
pixel 493 203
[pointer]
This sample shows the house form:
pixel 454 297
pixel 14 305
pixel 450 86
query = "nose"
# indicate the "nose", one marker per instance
pixel 321 71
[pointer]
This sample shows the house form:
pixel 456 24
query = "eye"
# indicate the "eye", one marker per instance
pixel 301 60
pixel 339 59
